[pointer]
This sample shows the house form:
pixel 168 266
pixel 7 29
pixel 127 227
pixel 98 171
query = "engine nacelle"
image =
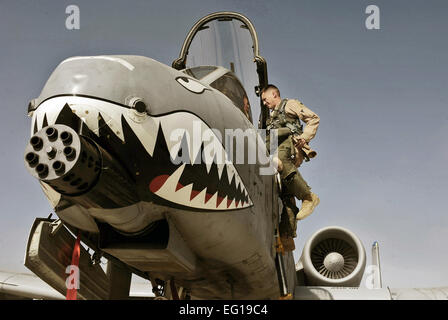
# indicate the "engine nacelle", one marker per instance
pixel 335 257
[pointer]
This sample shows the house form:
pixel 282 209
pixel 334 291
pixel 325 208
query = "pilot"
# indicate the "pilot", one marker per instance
pixel 246 107
pixel 293 148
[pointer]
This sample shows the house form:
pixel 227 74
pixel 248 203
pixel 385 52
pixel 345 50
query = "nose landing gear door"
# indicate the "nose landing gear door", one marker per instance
pixel 229 40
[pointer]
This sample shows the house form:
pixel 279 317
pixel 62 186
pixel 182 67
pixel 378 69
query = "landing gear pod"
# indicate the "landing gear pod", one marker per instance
pixel 49 254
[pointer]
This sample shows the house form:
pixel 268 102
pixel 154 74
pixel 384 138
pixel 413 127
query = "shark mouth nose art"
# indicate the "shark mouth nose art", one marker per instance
pixel 201 183
pixel 207 191
pixel 146 148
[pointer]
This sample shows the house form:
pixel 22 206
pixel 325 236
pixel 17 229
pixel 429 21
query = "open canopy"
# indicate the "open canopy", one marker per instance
pixel 227 40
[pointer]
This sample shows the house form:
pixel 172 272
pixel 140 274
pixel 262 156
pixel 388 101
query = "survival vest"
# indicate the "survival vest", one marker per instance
pixel 285 123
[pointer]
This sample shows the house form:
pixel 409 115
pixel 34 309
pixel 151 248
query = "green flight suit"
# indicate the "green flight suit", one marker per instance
pixel 292 181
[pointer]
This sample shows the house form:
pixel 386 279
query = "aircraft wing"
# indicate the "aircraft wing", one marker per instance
pixel 357 293
pixel 332 267
pixel 18 286
pixel 14 286
pixel 420 293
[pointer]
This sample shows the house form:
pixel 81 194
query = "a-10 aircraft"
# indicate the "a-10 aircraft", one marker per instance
pixel 136 159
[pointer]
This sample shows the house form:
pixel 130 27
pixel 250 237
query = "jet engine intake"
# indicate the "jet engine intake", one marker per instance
pixel 333 256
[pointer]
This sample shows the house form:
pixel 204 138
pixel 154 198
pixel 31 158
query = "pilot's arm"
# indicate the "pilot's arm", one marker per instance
pixel 296 108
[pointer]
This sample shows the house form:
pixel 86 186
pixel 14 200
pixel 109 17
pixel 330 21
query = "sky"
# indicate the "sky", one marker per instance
pixel 381 169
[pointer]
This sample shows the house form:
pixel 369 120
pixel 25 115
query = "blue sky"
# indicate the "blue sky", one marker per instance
pixel 381 169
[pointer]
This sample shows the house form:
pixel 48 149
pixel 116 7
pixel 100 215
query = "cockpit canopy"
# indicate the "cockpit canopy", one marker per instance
pixel 227 41
pixel 225 81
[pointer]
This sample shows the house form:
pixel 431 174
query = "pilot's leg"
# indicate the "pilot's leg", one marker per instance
pixel 291 211
pixel 296 185
pixel 288 223
pixel 309 199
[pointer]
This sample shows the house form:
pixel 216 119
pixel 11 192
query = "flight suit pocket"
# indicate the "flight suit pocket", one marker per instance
pixel 284 154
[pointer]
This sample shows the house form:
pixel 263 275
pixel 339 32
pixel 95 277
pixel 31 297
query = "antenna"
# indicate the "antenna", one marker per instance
pixel 377 283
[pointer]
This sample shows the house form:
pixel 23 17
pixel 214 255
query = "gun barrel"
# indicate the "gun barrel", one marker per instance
pixel 75 166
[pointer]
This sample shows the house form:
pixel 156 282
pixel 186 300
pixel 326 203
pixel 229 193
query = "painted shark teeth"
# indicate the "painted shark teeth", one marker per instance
pixel 170 188
pixel 102 117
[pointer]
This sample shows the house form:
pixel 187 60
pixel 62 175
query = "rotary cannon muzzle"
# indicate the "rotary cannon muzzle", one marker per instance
pixel 42 170
pixel 66 138
pixel 70 153
pixel 68 162
pixel 75 166
pixel 32 159
pixel 36 143
pixel 52 133
pixel 59 167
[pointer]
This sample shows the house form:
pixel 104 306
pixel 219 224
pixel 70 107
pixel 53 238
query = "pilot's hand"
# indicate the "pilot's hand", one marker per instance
pixel 278 164
pixel 299 142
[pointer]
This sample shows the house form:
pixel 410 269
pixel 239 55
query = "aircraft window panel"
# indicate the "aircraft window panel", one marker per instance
pixel 200 72
pixel 232 88
pixel 227 44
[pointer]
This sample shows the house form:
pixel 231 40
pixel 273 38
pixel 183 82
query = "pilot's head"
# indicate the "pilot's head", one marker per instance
pixel 246 104
pixel 270 96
